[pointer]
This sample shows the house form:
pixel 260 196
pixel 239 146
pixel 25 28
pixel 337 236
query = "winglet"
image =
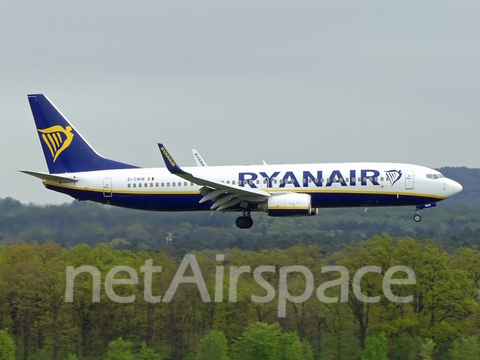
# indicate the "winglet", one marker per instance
pixel 198 159
pixel 169 162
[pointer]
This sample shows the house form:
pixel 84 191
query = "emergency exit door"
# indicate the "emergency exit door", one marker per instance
pixel 107 187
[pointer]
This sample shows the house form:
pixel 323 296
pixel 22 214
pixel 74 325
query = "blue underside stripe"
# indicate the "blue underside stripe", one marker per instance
pixel 190 202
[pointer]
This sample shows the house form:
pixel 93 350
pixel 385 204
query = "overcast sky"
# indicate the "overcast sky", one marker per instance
pixel 242 82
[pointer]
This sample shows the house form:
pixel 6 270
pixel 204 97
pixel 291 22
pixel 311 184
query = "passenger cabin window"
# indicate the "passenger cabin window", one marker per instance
pixel 156 184
pixel 139 185
pixel 129 185
pixel 134 185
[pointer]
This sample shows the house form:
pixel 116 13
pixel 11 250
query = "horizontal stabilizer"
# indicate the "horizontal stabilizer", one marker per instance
pixel 50 177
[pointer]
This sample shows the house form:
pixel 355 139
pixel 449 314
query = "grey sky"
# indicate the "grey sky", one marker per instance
pixel 284 82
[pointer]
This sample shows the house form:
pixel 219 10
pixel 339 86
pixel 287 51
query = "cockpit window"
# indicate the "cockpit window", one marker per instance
pixel 435 176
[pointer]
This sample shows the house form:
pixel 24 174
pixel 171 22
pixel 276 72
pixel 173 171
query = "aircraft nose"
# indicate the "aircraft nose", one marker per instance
pixel 454 187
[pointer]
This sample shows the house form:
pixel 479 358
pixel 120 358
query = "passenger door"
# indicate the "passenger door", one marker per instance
pixel 409 181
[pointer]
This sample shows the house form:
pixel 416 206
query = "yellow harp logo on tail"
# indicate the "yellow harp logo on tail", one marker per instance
pixel 57 139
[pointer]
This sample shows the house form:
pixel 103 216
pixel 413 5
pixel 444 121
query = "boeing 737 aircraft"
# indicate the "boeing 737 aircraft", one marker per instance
pixel 77 170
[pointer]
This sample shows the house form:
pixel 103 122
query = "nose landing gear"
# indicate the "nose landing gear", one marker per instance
pixel 244 221
pixel 417 216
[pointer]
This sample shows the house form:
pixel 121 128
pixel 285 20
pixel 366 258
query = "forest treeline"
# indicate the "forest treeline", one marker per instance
pixel 443 318
pixel 454 223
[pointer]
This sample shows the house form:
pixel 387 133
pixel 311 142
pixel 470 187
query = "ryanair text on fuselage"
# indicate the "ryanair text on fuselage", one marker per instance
pixel 335 177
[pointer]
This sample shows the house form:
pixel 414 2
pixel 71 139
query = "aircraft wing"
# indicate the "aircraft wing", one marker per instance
pixel 50 177
pixel 224 195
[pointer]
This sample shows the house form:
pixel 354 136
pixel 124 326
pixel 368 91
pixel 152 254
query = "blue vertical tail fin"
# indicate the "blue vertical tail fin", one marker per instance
pixel 64 148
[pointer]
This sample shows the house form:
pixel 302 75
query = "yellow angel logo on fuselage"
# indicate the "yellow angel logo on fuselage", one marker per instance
pixel 57 139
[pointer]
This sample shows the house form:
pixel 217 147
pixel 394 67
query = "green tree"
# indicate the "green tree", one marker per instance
pixel 259 341
pixel 147 354
pixel 119 350
pixel 375 348
pixel 7 347
pixel 294 349
pixel 405 348
pixel 265 341
pixel 427 349
pixel 465 349
pixel 213 347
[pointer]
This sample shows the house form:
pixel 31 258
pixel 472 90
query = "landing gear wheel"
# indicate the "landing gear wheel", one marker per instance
pixel 417 217
pixel 244 222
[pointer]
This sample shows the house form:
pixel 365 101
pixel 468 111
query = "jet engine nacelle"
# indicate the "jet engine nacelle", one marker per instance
pixel 288 205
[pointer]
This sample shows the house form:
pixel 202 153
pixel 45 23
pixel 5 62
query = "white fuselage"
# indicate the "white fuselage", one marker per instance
pixel 329 185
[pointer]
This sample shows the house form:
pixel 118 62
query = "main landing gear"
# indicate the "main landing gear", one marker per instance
pixel 244 221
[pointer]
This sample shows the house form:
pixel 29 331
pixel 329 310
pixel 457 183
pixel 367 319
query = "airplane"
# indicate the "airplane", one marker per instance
pixel 77 170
